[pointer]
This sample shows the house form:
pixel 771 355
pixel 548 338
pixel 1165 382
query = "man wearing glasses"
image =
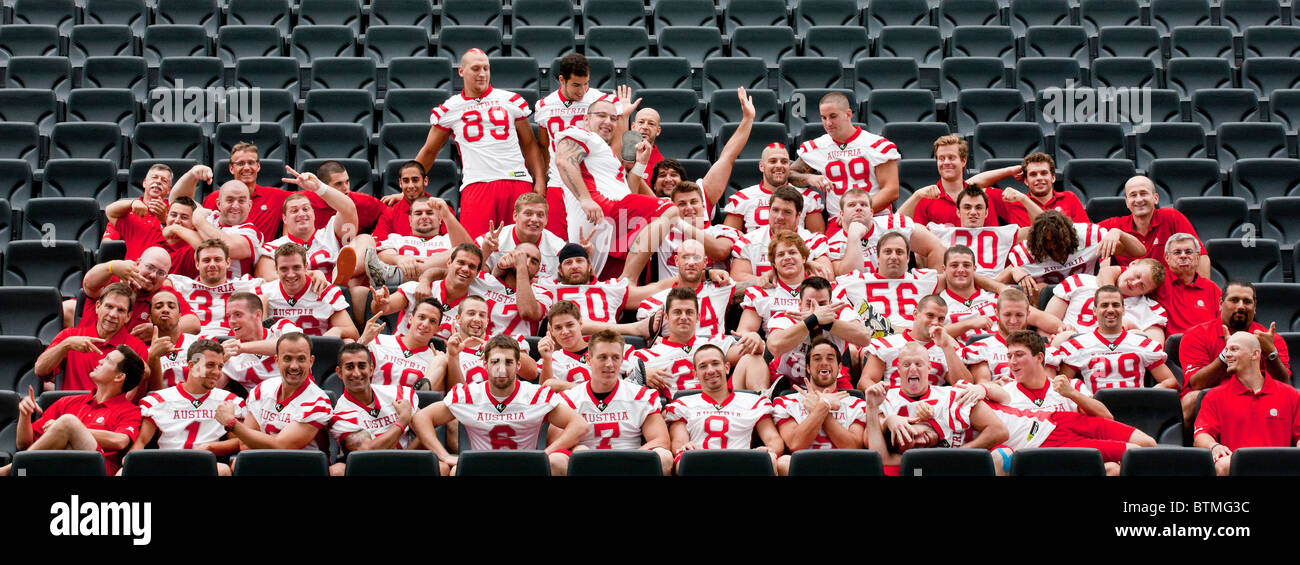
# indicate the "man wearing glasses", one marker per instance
pixel 1189 298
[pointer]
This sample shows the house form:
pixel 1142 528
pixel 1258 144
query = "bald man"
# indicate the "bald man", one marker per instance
pixel 1248 410
pixel 646 123
pixel 145 276
pixel 846 157
pixel 500 157
pixel 229 222
pixel 1151 225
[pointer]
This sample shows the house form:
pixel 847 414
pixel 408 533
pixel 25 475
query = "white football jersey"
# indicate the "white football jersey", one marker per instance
pixel 713 299
pixel 794 363
pixel 175 366
pixel 990 244
pixel 991 350
pixel 1079 291
pixel 1048 271
pixel 249 369
pixel 1046 399
pixel 852 410
pixel 894 299
pixel 322 248
pixel 513 422
pixel 615 421
pixel 753 247
pixel 769 302
pixel 668 249
pixel 851 164
pixel 1025 428
pixel 950 417
pixel 484 130
pixel 751 205
pixel 677 358
pixel 880 225
pixel 725 424
pixel 549 245
pixel 602 171
pixel 503 307
pixel 308 310
pixel 569 367
pixel 248 231
pixel 351 416
pixel 415 246
pixel 982 303
pixel 397 365
pixel 310 405
pixel 1103 363
pixel 471 361
pixel 209 302
pixel 450 307
pixel 555 113
pixel 599 301
pixel 184 420
pixel 887 349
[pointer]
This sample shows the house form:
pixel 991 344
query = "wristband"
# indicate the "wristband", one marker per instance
pixel 1223 358
pixel 811 323
pixel 639 170
pixel 400 427
pixel 231 426
pixel 110 269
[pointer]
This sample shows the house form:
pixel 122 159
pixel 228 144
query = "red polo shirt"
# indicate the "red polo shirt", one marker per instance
pixel 1062 201
pixel 76 366
pixel 369 209
pixel 1202 344
pixel 265 212
pixel 139 310
pixel 116 414
pixel 1187 305
pixel 1164 223
pixel 1238 417
pixel 655 157
pixel 943 210
pixel 396 219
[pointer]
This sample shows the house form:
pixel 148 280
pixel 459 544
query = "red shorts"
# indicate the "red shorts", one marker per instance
pixel 557 218
pixel 1081 430
pixel 630 214
pixel 484 202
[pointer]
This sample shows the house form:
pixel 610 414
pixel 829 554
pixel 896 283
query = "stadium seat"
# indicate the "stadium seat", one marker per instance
pixel 887 106
pixel 984 41
pixel 746 13
pixel 385 43
pixel 280 463
pixel 277 106
pixel 1259 462
pixel 1241 14
pixel 724 463
pixel 1090 140
pixel 726 74
pixel 1165 105
pixel 606 13
pixel 1025 14
pixel 66 218
pixel 420 72
pixel 275 13
pixel 1276 215
pixel 952 14
pixel 1255 259
pixel 1150 410
pixel 359 172
pixel 1101 208
pixel 22 141
pixel 769 43
pixel 278 73
pixel 1097 14
pixel 1214 216
pixel 1169 141
pixel 1129 41
pixel 332 141
pixel 532 14
pixel 61 14
pixel 614 463
pixel 1058 41
pixel 1201 41
pixel 28 41
pixel 946 462
pixel 724 107
pixel 762 135
pixel 846 43
pixel 1277 302
pixel 29 311
pixel 205 14
pixel 401 141
pixel 960 75
pixel 1036 74
pixel 169 463
pixel 884 72
pixel 20 352
pixel 53 74
pixel 1005 140
pixel 49 397
pixel 659 72
pixel 1092 178
pixel 310 42
pixel 1058 462
pixel 915 139
pixel 326 351
pixel 502 463
pixel 411 105
pixel 921 43
pixel 542 43
pixel 835 463
pixel 1187 75
pixel 824 13
pixel 158 140
pixel 1172 343
pixel 1123 72
pixel 58 464
pixel 443 176
pixel 898 13
pixel 190 72
pixel 235 43
pixel 33 263
pixel 30 105
pixel 619 43
pixel 1213 108
pixel 808 72
pixel 1271 41
pixel 83 178
pixel 1167 462
pixel 86 140
pixel 6 215
pixel 163 41
pixel 392 463
pixel 458 13
pixel 1166 15
pixel 344 73
pixel 16 185
pixel 673 104
pixel 269 138
pixel 89 40
pixel 1284 108
pixel 331 12
pixel 673 13
pixel 1265 75
pixel 1258 179
pixel 1181 178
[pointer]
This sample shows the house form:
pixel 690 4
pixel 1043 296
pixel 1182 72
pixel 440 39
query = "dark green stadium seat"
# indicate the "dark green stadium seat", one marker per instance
pixel 169 463
pixel 280 463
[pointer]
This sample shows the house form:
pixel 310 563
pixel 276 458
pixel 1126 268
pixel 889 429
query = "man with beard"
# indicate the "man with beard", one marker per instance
pixel 1151 225
pixel 718 417
pixel 1189 297
pixel 413 181
pixel 1055 249
pixel 404 359
pixel 368 415
pixel 291 297
pixel 264 203
pixel 791 335
pixel 601 301
pixel 747 210
pixel 1202 349
pixel 76 352
pixel 464 363
pixel 285 412
pixel 940 203
pixel 184 413
pixel 942 351
pixel 890 291
pixel 1110 356
pixel 531 220
pixel 822 416
pixel 327 246
pixel 1248 410
pixel 400 258
pixel 250 356
pixel 666 365
pixel 145 276
pixel 990 244
pixel 1038 171
pixel 1072 300
pixel 208 295
pixel 846 157
pixel 750 255
pixel 854 249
